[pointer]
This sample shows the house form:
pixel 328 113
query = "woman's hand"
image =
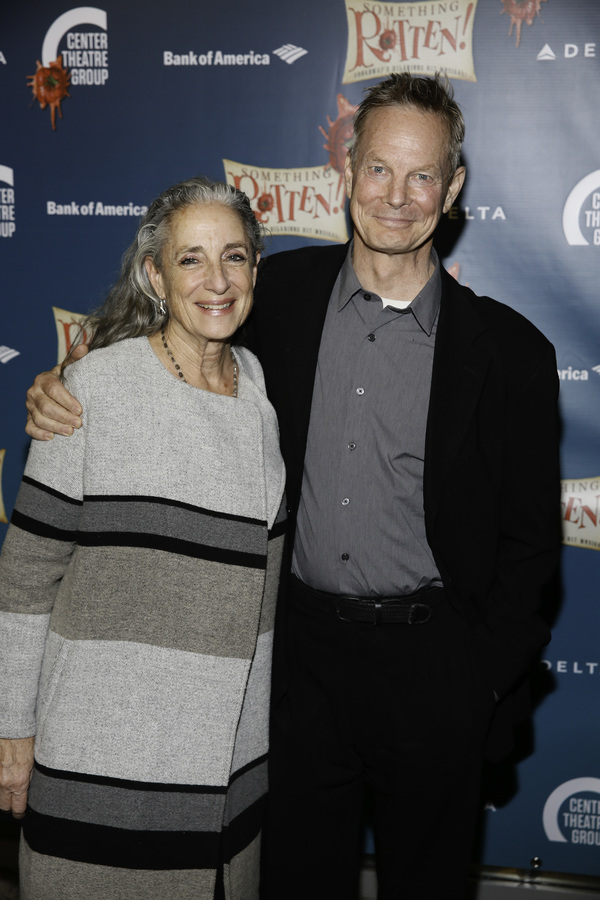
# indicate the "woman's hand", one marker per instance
pixel 52 409
pixel 16 764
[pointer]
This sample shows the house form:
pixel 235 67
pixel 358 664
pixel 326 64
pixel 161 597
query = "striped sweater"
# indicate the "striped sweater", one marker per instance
pixel 137 590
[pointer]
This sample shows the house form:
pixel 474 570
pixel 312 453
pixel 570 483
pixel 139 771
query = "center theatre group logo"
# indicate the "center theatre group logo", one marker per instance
pixel 86 52
pixel 581 213
pixel 571 815
pixel 308 202
pixel 422 38
pixel 7 202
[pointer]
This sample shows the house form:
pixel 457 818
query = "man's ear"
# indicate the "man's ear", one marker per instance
pixel 348 177
pixel 458 179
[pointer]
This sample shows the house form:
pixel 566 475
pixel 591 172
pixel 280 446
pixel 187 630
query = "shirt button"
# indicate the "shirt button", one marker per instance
pixel 345 501
pixel 371 337
pixel 360 391
pixel 345 557
pixel 367 296
pixel 351 446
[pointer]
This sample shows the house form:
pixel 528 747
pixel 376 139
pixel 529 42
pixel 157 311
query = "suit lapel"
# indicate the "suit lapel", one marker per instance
pixel 304 327
pixel 291 326
pixel 461 360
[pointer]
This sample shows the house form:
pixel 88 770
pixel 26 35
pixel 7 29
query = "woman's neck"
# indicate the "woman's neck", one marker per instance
pixel 205 364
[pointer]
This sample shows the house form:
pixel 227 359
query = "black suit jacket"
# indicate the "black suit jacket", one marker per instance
pixel 491 476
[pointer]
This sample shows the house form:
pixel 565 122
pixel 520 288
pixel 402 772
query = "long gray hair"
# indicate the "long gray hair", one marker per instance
pixel 132 308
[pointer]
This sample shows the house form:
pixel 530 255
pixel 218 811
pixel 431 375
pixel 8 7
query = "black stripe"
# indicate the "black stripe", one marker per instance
pixel 278 529
pixel 244 828
pixel 171 545
pixel 163 501
pixel 51 491
pixel 42 529
pixel 253 764
pixel 128 849
pixel 102 845
pixel 129 785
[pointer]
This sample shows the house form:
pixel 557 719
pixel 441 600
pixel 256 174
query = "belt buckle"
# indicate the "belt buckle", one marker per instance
pixel 338 603
pixel 418 614
pixel 374 606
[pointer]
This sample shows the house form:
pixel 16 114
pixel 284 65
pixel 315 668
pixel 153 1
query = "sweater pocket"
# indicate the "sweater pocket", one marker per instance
pixel 55 659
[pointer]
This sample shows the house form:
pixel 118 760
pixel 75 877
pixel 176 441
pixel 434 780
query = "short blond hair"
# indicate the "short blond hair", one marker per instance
pixel 428 94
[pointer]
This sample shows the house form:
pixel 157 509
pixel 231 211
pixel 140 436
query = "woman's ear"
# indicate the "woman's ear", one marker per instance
pixel 155 277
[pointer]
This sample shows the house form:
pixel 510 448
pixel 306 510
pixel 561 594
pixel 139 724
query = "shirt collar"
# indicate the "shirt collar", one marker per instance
pixel 425 306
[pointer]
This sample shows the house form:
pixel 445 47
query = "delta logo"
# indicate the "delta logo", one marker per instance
pixel 422 38
pixel 570 51
pixel 72 55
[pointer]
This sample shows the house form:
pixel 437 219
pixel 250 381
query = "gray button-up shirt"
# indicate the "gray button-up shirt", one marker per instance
pixel 361 527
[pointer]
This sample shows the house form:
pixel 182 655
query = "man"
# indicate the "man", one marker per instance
pixel 419 429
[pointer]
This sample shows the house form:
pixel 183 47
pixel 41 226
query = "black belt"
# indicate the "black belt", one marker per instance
pixel 410 609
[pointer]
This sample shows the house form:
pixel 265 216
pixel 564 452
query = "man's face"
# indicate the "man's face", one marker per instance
pixel 399 187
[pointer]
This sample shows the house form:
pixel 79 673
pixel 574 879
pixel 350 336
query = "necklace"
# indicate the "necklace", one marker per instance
pixel 182 376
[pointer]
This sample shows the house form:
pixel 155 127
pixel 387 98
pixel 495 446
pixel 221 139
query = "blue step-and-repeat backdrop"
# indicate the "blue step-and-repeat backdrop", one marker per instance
pixel 103 107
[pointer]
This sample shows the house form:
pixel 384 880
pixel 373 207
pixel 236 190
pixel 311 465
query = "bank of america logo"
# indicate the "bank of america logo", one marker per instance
pixel 289 53
pixel 7 353
pixel 596 369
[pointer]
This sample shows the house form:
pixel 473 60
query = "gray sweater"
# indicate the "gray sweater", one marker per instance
pixel 138 585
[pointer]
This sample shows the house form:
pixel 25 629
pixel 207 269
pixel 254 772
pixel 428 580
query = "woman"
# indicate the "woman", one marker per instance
pixel 139 578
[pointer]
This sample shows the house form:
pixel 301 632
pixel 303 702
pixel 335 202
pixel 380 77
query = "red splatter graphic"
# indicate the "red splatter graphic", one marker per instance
pixel 264 204
pixel 387 40
pixel 454 270
pixel 521 11
pixel 50 85
pixel 340 133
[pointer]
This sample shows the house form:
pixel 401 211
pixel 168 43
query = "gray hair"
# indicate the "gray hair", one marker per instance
pixel 434 95
pixel 132 307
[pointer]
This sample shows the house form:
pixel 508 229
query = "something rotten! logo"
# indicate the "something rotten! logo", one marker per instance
pixel 307 202
pixel 422 38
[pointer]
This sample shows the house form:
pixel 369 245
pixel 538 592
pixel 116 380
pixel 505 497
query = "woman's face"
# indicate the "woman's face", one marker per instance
pixel 207 274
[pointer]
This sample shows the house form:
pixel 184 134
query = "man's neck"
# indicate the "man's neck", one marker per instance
pixel 394 276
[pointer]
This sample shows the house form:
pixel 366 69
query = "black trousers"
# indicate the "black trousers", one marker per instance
pixel 399 709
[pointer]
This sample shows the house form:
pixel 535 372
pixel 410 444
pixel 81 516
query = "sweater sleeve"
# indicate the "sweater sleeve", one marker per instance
pixel 38 547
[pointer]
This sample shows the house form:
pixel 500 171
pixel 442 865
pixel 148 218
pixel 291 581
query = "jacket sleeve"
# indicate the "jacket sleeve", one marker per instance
pixel 528 539
pixel 39 544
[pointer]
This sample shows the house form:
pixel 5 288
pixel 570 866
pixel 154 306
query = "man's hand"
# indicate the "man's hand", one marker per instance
pixel 16 764
pixel 52 409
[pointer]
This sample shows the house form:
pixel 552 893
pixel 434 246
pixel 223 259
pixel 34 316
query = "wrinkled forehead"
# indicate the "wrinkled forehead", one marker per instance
pixel 392 127
pixel 200 226
pixel 212 217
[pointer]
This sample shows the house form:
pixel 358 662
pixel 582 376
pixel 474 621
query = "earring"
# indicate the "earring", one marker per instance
pixel 162 306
